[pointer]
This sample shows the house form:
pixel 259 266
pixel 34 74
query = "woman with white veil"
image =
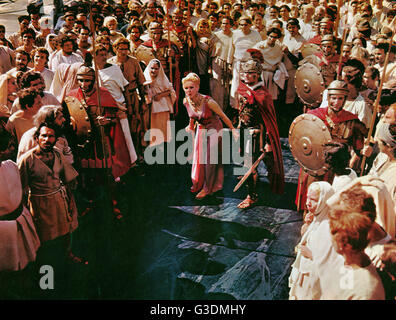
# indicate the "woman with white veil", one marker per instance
pixel 162 96
pixel 304 280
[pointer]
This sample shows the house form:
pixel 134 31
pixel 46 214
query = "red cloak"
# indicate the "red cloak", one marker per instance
pixel 263 99
pixel 120 160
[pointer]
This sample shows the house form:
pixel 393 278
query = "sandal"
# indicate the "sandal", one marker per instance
pixel 247 203
pixel 202 194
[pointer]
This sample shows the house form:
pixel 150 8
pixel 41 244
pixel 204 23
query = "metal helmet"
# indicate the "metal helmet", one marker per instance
pixel 338 87
pixel 85 72
pixel 154 25
pixel 251 66
pixel 327 38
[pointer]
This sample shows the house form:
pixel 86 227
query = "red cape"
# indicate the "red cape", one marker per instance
pixel 121 161
pixel 161 44
pixel 263 99
pixel 342 116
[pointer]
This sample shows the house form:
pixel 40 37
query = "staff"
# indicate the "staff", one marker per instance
pixel 169 42
pixel 101 128
pixel 344 35
pixel 376 103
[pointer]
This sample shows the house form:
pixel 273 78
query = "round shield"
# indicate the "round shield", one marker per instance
pixel 79 120
pixel 309 84
pixel 307 136
pixel 144 54
pixel 174 39
pixel 308 49
pixel 312 59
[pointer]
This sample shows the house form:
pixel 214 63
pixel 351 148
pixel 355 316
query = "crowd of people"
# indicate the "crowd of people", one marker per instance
pixel 80 90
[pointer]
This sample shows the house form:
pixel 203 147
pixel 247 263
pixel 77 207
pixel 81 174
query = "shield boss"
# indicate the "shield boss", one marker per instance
pixel 307 136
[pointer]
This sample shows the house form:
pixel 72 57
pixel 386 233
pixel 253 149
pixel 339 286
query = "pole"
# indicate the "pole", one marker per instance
pixel 376 103
pixel 344 33
pixel 169 42
pixel 92 25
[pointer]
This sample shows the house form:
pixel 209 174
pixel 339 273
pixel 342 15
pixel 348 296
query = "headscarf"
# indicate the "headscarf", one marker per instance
pixel 160 84
pixel 65 79
pixel 325 192
pixel 376 187
pixel 47 43
pixel 385 135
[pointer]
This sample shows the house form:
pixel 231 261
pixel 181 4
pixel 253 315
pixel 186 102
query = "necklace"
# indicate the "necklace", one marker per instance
pixel 195 105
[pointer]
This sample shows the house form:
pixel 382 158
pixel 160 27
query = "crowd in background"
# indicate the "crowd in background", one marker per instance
pixel 140 51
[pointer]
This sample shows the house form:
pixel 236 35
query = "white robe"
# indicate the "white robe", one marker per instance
pixel 304 278
pixel 240 43
pixel 59 58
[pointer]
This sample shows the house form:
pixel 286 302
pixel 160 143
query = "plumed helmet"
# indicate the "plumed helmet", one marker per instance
pixel 251 66
pixel 338 87
pixel 85 73
pixel 256 54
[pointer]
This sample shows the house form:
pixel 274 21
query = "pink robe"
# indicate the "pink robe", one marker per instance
pixel 207 170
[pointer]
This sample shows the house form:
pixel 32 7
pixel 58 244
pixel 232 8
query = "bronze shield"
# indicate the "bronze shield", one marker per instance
pixel 79 120
pixel 308 49
pixel 309 84
pixel 144 54
pixel 307 136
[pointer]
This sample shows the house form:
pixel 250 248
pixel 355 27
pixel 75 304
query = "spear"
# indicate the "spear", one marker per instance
pixel 92 27
pixel 344 33
pixel 169 42
pixel 376 103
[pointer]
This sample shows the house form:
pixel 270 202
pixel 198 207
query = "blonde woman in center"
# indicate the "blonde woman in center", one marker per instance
pixel 205 121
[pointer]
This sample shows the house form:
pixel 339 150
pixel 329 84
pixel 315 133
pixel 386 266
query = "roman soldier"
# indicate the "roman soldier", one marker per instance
pixel 104 149
pixel 343 126
pixel 257 116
